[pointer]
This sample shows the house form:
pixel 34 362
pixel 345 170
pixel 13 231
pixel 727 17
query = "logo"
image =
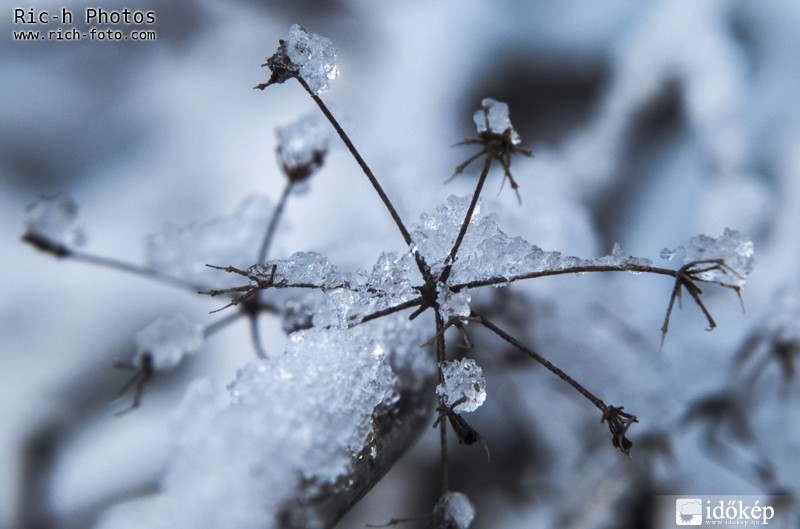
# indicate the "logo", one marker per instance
pixel 689 511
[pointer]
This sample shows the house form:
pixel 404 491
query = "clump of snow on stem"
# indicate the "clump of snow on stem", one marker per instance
pixel 453 511
pixel 463 381
pixel 732 247
pixel 55 219
pixel 292 425
pixel 453 304
pixel 183 252
pixel 315 56
pixel 167 340
pixel 487 252
pixel 493 117
pixel 303 145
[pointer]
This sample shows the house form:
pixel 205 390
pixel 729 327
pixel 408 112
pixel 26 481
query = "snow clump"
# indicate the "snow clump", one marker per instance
pixel 315 56
pixel 463 379
pixel 453 511
pixel 732 247
pixel 54 219
pixel 167 340
pixel 493 118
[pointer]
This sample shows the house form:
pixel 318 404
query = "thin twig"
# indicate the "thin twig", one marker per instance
pixel 564 271
pixel 542 360
pixel 273 222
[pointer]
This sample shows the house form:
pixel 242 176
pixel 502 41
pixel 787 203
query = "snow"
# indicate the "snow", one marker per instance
pixel 453 511
pixel 493 117
pixel 295 421
pixel 54 218
pixel 167 340
pixel 488 252
pixel 463 379
pixel 453 304
pixel 315 56
pixel 302 146
pixel 230 240
pixel 733 247
pixel 348 296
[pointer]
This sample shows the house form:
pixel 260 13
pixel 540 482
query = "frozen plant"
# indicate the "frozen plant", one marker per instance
pixel 305 432
pixel 167 340
pixel 464 387
pixel 53 221
pixel 453 511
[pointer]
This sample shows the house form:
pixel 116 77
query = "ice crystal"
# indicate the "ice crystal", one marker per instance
pixel 302 146
pixel 453 304
pixel 315 56
pixel 54 219
pixel 233 240
pixel 732 247
pixel 493 117
pixel 167 340
pixel 463 379
pixel 453 511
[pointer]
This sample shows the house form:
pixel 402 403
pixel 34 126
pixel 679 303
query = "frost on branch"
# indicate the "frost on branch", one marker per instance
pixel 302 146
pixel 735 249
pixel 453 511
pixel 167 340
pixel 493 117
pixel 53 220
pixel 348 296
pixel 308 55
pixel 463 382
pixel 487 252
pixel 234 239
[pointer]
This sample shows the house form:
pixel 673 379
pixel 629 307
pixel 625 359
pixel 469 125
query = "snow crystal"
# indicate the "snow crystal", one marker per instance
pixel 453 304
pixel 315 56
pixel 453 511
pixel 232 240
pixel 348 296
pixel 733 247
pixel 493 117
pixel 302 146
pixel 463 379
pixel 487 252
pixel 166 340
pixel 302 268
pixel 54 219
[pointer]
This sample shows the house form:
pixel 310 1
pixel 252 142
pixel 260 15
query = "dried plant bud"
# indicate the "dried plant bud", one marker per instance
pixel 303 146
pixel 618 424
pixel 305 55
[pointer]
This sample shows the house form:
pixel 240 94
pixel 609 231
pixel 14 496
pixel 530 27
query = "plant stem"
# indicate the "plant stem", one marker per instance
pixel 542 360
pixel 562 271
pixel 143 271
pixel 273 223
pixel 441 356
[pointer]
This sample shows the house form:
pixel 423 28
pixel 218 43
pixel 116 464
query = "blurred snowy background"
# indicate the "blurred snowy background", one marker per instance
pixel 651 122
